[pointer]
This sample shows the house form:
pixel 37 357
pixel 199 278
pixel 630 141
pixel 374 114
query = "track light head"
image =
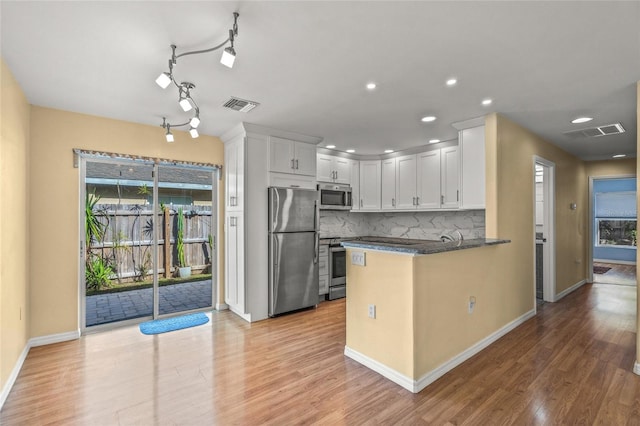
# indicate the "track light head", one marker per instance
pixel 169 135
pixel 195 121
pixel 185 103
pixel 228 57
pixel 163 80
pixel 193 132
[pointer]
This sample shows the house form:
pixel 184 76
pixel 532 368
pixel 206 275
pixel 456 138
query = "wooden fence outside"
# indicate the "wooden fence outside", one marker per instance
pixel 128 238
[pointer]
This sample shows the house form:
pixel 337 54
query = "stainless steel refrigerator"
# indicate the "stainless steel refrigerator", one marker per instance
pixel 293 249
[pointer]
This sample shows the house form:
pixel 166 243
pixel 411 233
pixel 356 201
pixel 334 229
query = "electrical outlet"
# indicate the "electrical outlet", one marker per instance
pixel 357 258
pixel 472 304
pixel 372 311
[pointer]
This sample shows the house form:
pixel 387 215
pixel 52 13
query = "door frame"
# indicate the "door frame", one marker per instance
pixel 549 248
pixel 592 218
pixel 80 161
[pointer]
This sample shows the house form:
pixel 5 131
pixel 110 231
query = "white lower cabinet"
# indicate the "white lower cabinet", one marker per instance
pixel 234 261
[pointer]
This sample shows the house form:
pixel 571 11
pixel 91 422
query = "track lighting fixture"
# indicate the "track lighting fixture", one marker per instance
pixel 185 100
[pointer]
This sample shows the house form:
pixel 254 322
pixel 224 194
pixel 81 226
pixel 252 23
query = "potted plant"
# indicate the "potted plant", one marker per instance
pixel 184 270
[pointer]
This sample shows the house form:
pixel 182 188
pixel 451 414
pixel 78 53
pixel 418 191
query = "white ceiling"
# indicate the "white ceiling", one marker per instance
pixel 307 63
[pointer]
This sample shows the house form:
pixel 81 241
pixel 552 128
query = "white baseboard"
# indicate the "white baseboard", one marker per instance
pixel 416 386
pixel 571 289
pixel 616 262
pixel 383 370
pixel 636 368
pixel 222 307
pixel 53 338
pixel 14 375
pixel 32 343
pixel 246 317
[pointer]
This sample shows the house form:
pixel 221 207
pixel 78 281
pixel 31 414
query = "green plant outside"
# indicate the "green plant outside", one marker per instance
pixel 97 274
pixel 179 239
pixel 94 229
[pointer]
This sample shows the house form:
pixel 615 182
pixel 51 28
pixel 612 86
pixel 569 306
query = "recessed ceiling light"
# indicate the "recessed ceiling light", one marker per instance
pixel 581 120
pixel 451 82
pixel 428 119
pixel 331 146
pixel 350 151
pixel 486 102
pixel 387 151
pixel 434 140
pixel 619 155
pixel 371 86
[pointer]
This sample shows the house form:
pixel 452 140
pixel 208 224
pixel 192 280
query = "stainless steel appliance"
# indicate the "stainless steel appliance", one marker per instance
pixel 337 272
pixel 335 196
pixel 293 249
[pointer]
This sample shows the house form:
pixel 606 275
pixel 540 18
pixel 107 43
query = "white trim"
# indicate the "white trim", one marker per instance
pixel 571 289
pixel 636 369
pixel 416 386
pixel 53 338
pixel 391 374
pixel 32 343
pixel 222 307
pixel 6 389
pixel 246 317
pixel 467 124
pixel 549 248
pixel 616 262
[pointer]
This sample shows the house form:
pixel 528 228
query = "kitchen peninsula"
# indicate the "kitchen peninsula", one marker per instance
pixel 417 308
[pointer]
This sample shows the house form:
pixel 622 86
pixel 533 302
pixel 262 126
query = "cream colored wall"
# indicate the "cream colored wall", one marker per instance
pixel 626 166
pixel 54 192
pixel 510 203
pixel 14 216
pixel 443 326
pixel 387 282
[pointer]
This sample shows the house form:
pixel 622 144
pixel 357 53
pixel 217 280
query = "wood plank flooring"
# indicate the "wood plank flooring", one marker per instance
pixel 618 274
pixel 570 364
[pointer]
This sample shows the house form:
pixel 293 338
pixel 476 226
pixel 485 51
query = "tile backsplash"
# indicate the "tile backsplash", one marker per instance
pixel 417 225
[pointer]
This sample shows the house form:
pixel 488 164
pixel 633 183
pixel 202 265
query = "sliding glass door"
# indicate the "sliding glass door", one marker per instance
pixel 148 239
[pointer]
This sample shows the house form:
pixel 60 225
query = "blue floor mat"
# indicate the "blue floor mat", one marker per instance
pixel 175 323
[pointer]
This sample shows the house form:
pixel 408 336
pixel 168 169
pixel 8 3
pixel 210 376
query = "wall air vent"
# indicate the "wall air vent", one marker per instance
pixel 594 132
pixel 241 105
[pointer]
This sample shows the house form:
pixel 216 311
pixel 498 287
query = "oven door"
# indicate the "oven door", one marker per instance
pixel 337 266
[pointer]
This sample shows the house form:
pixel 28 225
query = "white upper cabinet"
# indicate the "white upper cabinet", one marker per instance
pixel 287 156
pixel 449 177
pixel 406 182
pixel 234 175
pixel 388 186
pixel 333 169
pixel 354 166
pixel 428 180
pixel 370 185
pixel 472 168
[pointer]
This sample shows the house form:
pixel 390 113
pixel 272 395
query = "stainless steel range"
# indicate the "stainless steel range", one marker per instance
pixel 337 266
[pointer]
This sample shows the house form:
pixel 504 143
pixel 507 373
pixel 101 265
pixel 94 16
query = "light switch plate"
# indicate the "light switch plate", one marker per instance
pixel 358 258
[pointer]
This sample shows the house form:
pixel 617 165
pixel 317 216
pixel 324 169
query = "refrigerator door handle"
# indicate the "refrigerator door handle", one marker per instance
pixel 316 248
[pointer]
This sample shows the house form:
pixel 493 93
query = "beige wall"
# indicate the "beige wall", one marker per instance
pixel 14 229
pixel 54 245
pixel 626 166
pixel 510 203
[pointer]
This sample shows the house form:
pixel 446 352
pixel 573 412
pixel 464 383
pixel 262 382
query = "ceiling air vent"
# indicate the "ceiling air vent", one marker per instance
pixel 241 105
pixel 594 132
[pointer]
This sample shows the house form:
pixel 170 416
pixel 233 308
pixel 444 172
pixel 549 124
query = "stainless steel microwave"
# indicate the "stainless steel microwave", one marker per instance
pixel 335 196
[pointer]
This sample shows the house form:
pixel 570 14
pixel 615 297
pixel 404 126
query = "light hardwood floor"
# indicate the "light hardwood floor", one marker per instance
pixel 570 364
pixel 618 274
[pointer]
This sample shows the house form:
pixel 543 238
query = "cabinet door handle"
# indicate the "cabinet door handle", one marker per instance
pixel 441 199
pixel 296 164
pixel 393 202
pixel 458 195
pixel 293 163
pixel 413 201
pixel 232 221
pixel 417 201
pixel 361 202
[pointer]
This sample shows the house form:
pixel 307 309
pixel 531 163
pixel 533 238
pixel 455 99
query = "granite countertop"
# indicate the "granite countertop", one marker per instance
pixel 409 246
